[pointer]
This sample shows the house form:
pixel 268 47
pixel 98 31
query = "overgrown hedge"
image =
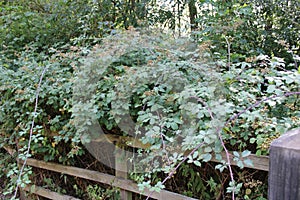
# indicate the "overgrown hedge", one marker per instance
pixel 170 90
pixel 178 92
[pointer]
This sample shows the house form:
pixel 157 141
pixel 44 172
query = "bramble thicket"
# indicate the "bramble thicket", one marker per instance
pixel 190 76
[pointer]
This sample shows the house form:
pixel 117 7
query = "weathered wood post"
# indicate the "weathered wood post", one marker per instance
pixel 122 167
pixel 284 173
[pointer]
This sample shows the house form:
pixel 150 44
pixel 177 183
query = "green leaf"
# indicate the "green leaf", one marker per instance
pixel 207 157
pixel 271 103
pixel 246 153
pixel 252 140
pixel 195 154
pixel 271 89
pixel 236 154
pixel 174 126
pixel 207 140
pixel 218 156
pixel 207 149
pixel 248 162
pixel 156 129
pixel 220 167
pixel 240 164
pixel 197 163
pixel 258 153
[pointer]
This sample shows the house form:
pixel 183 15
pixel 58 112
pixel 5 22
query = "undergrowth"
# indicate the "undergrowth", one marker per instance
pixel 167 93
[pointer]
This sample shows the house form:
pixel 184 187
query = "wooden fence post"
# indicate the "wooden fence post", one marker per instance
pixel 122 168
pixel 284 173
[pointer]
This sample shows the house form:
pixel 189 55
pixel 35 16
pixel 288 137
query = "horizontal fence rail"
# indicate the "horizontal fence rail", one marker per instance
pixel 47 193
pixel 104 178
pixel 259 162
pixel 120 181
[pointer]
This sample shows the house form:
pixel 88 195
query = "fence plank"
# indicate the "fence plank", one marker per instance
pixel 104 178
pixel 259 162
pixel 48 194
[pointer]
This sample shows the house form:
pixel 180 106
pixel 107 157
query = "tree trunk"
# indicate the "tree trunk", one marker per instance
pixel 192 14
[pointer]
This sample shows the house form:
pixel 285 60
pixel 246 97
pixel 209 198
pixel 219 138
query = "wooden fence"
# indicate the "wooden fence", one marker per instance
pixel 284 173
pixel 99 177
pixel 120 180
pixel 127 185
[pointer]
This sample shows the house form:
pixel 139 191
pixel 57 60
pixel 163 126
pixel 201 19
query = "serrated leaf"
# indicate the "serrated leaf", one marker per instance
pixel 177 120
pixel 271 88
pixel 195 155
pixel 174 126
pixel 221 167
pixel 248 162
pixel 236 154
pixel 152 121
pixel 200 115
pixel 258 153
pixel 207 140
pixel 218 156
pixel 271 103
pixel 240 164
pixel 218 166
pixel 156 128
pixel 246 153
pixel 207 149
pixel 197 163
pixel 252 140
pixel 207 157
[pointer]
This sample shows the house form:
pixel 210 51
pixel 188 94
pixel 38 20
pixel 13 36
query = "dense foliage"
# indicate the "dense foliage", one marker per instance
pixel 231 82
pixel 174 99
pixel 252 28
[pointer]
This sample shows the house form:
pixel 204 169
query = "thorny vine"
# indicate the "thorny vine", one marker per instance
pixel 27 153
pixel 232 118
